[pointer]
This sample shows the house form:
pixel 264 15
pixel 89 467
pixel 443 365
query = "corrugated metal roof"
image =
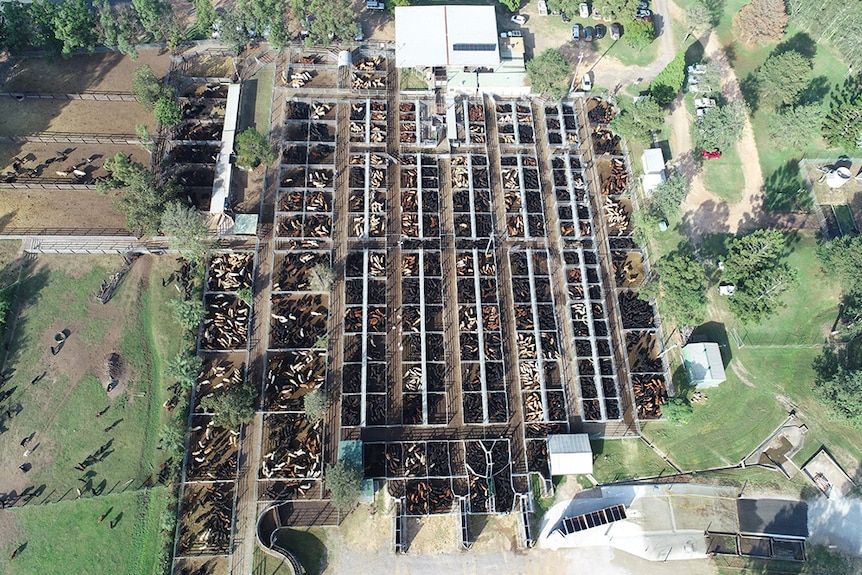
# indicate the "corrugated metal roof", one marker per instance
pixel 703 362
pixel 569 443
pixel 427 35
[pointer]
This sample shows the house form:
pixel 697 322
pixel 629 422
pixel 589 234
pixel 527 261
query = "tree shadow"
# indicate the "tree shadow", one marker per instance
pixel 748 87
pixel 714 331
pixel 799 42
pixel 709 218
pixel 688 164
pixel 784 190
pixel 694 53
pixel 816 90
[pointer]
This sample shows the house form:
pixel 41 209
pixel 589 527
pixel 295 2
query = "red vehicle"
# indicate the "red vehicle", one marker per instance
pixel 713 155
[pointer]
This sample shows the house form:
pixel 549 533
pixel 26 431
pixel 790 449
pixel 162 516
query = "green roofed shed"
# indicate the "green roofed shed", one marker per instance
pixel 703 364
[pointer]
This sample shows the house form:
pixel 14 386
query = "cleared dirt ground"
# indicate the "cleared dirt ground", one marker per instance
pixel 29 116
pixel 90 72
pixel 57 209
pixel 76 154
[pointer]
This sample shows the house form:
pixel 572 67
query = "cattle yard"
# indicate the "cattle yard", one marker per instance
pixel 457 305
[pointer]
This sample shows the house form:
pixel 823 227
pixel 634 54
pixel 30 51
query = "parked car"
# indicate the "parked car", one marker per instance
pixel 375 5
pixel 519 19
pixel 585 10
pixel 515 34
pixel 711 155
pixel 589 33
pixel 565 16
pixel 596 14
pixel 587 82
pixel 576 33
pixel 616 31
pixel 645 14
pixel 601 30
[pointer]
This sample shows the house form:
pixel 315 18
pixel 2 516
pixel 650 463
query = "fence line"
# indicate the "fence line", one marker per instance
pixel 106 96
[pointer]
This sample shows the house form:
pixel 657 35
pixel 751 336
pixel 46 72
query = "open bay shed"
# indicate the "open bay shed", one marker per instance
pixel 570 454
pixel 703 364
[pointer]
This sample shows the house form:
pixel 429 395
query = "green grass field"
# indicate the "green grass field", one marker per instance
pixel 620 459
pixel 723 176
pixel 61 409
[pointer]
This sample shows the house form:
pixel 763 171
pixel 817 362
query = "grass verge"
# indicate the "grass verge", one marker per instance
pixel 620 459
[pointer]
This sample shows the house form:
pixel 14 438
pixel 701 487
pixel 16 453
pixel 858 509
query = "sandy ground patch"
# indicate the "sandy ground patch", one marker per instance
pixel 78 209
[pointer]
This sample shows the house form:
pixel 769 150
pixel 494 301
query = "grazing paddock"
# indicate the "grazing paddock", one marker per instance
pixel 103 72
pixel 29 116
pixel 82 437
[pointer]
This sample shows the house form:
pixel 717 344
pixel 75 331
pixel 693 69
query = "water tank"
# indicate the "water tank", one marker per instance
pixel 345 58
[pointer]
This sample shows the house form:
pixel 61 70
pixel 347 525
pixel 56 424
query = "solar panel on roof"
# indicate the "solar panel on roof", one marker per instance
pixel 474 47
pixel 593 519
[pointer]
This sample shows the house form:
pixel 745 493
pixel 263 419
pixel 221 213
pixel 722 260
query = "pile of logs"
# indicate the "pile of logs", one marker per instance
pixel 230 272
pixel 225 323
pixel 650 393
pixel 293 448
pixel 617 181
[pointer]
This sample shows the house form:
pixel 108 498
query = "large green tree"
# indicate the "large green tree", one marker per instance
pixel 842 126
pixel 233 406
pixel 17 28
pixel 669 81
pixel 666 199
pixel 184 367
pixel 754 265
pixel 680 288
pixel 344 481
pixel 326 20
pixel 795 128
pixel 189 313
pixel 265 18
pixel 638 120
pixel 253 149
pixel 75 26
pixel 119 27
pixel 623 10
pixel 147 88
pixel 187 229
pixel 168 111
pixel 781 78
pixel 721 127
pixel 141 199
pixel 549 73
pixel 639 33
pixel 703 15
pixel 838 387
pixel 156 17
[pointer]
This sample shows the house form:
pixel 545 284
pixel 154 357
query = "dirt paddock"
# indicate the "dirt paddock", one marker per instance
pixel 29 116
pixel 104 72
pixel 57 209
pixel 76 154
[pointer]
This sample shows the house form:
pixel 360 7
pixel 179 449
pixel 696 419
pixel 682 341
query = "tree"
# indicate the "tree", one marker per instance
pixel 233 405
pixel 842 394
pixel 666 199
pixel 754 265
pixel 842 126
pixel 677 410
pixel 173 437
pixel 669 81
pixel 44 13
pixel 781 78
pixel 188 313
pixel 75 26
pixel 147 88
pixel 680 288
pixel 710 78
pixel 156 17
pixel 326 20
pixel 618 9
pixel 758 297
pixel 761 21
pixel 844 256
pixel 119 27
pixel 168 112
pixel 511 5
pixel 639 33
pixel 703 15
pixel 549 73
pixel 315 404
pixel 141 199
pixel 344 481
pixel 232 30
pixel 188 232
pixel 246 295
pixel 205 15
pixel 18 29
pixel 253 149
pixel 794 128
pixel 721 127
pixel 185 367
pixel 638 121
pixel 143 133
pixel 320 278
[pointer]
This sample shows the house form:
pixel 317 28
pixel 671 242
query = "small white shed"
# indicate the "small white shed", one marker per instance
pixel 653 163
pixel 570 454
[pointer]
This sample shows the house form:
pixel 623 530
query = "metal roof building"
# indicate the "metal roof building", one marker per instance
pixel 460 36
pixel 570 454
pixel 703 364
